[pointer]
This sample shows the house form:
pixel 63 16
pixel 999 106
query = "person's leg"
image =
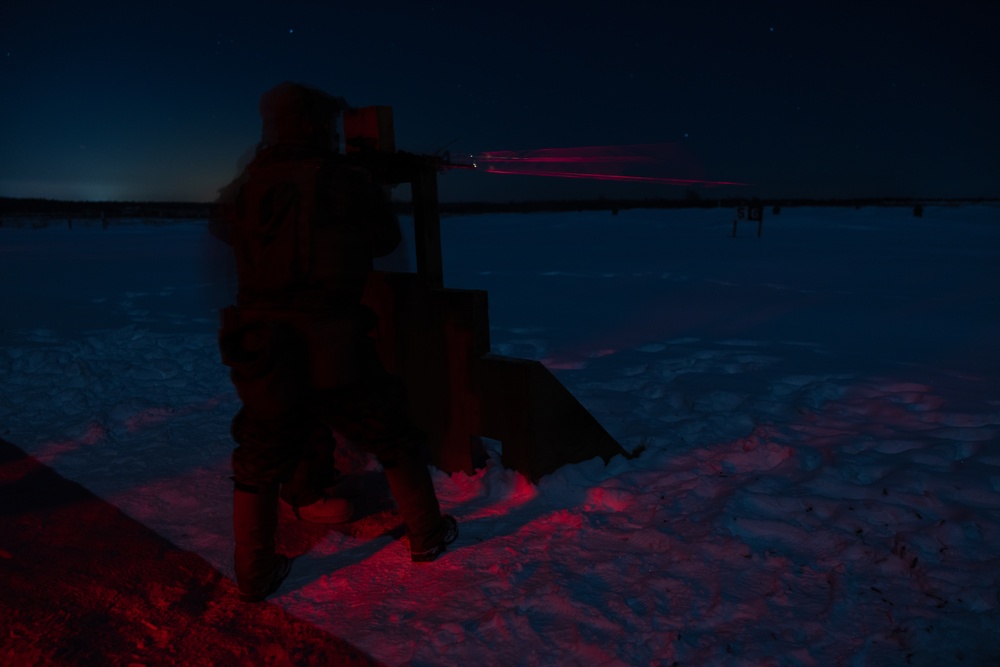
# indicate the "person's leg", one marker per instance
pixel 372 413
pixel 410 482
pixel 267 373
pixel 259 461
pixel 305 492
pixel 259 570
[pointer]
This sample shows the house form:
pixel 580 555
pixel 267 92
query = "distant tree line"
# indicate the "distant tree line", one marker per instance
pixel 15 211
pixel 98 210
pixel 615 205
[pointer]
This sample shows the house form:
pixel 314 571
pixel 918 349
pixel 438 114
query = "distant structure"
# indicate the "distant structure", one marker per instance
pixel 753 213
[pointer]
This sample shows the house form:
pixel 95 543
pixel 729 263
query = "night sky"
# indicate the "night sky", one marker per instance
pixel 145 101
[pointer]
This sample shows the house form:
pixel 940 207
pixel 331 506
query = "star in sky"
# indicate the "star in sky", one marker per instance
pixel 139 80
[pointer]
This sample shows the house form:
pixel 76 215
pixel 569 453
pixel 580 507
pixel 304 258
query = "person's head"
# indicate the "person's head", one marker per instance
pixel 299 114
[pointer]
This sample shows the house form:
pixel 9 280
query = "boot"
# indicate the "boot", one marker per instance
pixel 259 570
pixel 445 535
pixel 429 532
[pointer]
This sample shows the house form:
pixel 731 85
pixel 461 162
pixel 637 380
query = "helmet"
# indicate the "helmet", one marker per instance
pixel 296 113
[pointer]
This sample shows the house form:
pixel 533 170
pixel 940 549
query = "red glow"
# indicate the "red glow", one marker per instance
pixel 613 177
pixel 153 416
pixel 50 451
pixel 85 584
pixel 645 163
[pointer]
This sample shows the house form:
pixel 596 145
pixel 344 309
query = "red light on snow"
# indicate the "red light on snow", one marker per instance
pixel 50 451
pixel 153 416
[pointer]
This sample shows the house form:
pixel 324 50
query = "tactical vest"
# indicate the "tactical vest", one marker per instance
pixel 299 233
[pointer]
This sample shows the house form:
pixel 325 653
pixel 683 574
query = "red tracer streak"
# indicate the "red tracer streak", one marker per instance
pixel 648 163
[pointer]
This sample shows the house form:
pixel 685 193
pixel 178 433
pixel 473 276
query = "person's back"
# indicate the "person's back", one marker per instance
pixel 305 225
pixel 306 221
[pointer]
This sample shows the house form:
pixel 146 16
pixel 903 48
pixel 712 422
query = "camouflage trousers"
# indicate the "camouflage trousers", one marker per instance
pixel 301 377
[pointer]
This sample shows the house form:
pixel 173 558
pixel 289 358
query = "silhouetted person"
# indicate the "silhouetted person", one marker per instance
pixel 305 225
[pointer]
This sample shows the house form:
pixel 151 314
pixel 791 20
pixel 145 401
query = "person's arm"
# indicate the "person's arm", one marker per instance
pixel 220 223
pixel 384 235
pixel 371 207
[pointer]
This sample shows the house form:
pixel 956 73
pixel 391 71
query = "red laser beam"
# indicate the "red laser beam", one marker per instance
pixel 614 177
pixel 646 163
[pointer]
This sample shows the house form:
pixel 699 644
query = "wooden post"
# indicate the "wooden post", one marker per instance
pixel 432 339
pixel 427 223
pixel 437 341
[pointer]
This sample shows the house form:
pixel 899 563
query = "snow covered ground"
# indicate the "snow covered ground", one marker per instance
pixel 820 411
